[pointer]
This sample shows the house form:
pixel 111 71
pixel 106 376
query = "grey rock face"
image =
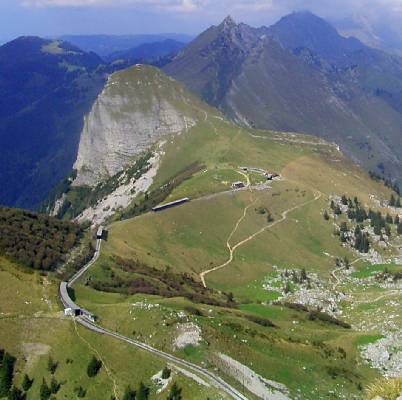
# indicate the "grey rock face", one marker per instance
pixel 134 111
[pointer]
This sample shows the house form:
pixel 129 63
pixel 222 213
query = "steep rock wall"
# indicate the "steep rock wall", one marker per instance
pixel 135 110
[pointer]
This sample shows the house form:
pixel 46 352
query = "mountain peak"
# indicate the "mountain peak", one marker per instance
pixel 228 22
pixel 305 29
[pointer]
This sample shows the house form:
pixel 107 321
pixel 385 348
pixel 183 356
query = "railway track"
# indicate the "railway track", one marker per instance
pixel 215 380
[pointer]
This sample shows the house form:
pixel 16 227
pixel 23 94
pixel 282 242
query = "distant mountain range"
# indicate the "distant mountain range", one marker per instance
pixel 46 88
pixel 156 53
pixel 379 33
pixel 300 75
pixel 106 45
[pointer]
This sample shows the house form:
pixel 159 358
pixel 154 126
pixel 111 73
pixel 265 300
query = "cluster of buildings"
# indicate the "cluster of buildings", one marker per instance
pixel 269 176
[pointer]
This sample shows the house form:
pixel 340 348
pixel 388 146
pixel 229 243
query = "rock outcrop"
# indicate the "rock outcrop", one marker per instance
pixel 135 110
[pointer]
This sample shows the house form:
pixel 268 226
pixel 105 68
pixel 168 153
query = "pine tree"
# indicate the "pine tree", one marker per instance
pixel 80 392
pixel 6 374
pixel 326 216
pixel 166 373
pixel 175 393
pixel 358 241
pixel 303 275
pixel 392 201
pixel 396 220
pixel 143 392
pixel 52 365
pixel 344 200
pixel 365 245
pixel 93 367
pixel 361 214
pixel 344 227
pixel 399 229
pixel 16 394
pixel 398 203
pixel 377 227
pixel 129 394
pixel 388 230
pixel 45 392
pixel 344 238
pixel 54 386
pixel 26 383
pixel 388 219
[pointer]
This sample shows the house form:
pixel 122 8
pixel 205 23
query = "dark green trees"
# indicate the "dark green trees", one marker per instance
pixel 143 392
pixel 93 367
pixel 16 394
pixel 37 241
pixel 6 373
pixel 175 393
pixel 129 394
pixel 45 391
pixel 26 383
pixel 80 392
pixel 362 242
pixel 52 365
pixel 166 373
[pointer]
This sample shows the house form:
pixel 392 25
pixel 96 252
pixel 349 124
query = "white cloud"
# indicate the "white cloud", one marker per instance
pixel 173 5
pixel 244 10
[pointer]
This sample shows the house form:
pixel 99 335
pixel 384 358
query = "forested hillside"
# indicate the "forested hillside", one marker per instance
pixel 46 88
pixel 37 241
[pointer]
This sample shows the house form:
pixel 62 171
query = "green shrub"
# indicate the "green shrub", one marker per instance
pixel 16 394
pixel 93 367
pixel 166 373
pixel 129 394
pixel 45 391
pixel 143 392
pixel 80 392
pixel 261 321
pixel 26 383
pixel 6 373
pixel 175 393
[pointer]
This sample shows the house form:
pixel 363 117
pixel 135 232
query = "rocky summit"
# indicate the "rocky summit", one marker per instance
pixel 135 110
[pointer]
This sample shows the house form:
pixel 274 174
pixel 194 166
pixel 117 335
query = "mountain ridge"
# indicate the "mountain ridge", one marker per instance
pixel 46 89
pixel 286 78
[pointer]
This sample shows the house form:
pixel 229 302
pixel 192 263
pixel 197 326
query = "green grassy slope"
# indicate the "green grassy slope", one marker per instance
pixel 33 328
pixel 314 359
pixel 240 244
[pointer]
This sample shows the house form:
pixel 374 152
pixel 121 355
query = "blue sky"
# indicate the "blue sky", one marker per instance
pixel 55 17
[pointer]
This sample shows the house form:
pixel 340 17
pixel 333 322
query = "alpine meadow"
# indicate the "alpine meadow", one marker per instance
pixel 192 216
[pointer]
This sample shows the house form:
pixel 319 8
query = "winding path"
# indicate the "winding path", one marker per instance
pixel 286 139
pixel 232 249
pixel 214 379
pixel 383 296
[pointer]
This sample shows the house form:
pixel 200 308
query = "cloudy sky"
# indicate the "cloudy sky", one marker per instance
pixel 54 17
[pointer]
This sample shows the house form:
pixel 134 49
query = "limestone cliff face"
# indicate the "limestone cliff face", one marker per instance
pixel 136 109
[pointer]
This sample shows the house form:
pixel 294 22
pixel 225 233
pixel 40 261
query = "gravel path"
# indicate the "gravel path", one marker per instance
pixel 232 249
